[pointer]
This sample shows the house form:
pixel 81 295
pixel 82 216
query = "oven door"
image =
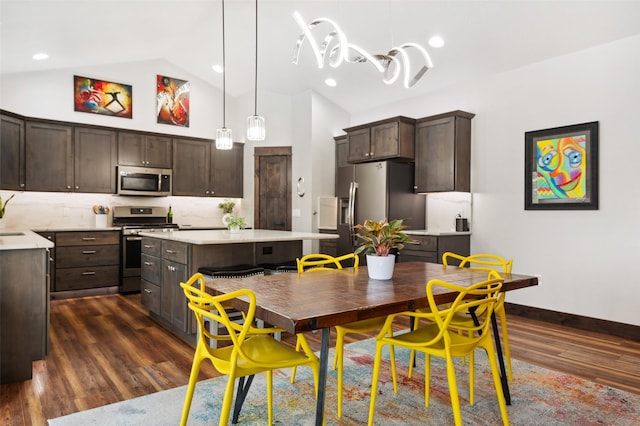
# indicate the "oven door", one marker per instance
pixel 130 264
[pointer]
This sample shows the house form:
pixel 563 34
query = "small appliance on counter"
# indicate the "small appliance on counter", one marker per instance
pixel 462 224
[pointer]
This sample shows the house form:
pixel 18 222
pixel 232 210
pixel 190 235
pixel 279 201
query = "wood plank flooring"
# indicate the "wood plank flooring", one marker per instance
pixel 105 349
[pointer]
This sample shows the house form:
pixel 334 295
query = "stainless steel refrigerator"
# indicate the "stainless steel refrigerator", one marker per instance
pixel 376 191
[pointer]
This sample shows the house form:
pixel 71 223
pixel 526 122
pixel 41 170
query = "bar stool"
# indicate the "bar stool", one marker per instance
pixel 228 272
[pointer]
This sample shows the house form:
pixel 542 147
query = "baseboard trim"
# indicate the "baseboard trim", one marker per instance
pixel 627 331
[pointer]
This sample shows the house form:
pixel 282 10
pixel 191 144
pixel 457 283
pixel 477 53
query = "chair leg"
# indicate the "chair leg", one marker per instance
pixel 338 358
pixel 374 381
pixel 270 396
pixel 427 378
pixel 471 378
pixel 293 370
pixel 497 382
pixel 453 392
pixel 228 399
pixel 191 387
pixel 505 340
pixel 392 359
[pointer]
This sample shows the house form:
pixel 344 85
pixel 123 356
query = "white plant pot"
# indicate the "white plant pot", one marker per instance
pixel 380 267
pixel 234 229
pixel 226 217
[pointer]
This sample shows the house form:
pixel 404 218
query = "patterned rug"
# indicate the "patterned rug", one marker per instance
pixel 538 397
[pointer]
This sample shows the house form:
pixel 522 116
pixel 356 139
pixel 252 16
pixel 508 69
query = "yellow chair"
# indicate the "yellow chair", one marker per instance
pixel 253 350
pixel 486 262
pixel 439 339
pixel 317 262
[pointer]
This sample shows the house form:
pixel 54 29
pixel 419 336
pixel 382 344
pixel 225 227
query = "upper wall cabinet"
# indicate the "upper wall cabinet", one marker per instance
pixel 201 170
pixel 144 150
pixel 12 153
pixel 443 152
pixel 95 154
pixel 49 157
pixel 386 139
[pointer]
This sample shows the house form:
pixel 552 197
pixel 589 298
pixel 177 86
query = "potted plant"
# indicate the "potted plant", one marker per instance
pixel 227 208
pixel 236 223
pixel 378 239
pixel 3 207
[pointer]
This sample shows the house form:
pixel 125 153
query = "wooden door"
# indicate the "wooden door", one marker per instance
pixel 272 208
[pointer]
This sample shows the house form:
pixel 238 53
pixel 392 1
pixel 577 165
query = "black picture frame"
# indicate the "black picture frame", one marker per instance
pixel 561 168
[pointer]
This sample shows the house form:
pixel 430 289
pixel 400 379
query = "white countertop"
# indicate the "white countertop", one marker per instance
pixel 74 228
pixel 434 233
pixel 22 240
pixel 242 236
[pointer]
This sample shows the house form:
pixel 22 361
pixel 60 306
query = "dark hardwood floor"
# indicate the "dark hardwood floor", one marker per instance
pixel 105 349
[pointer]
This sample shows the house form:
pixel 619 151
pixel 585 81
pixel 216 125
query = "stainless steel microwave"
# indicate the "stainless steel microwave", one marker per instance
pixel 144 181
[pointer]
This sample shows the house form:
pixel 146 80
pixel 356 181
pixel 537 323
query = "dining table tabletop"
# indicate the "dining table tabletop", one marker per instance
pixel 304 302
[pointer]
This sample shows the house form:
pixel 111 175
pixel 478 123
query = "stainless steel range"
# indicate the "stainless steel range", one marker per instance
pixel 133 220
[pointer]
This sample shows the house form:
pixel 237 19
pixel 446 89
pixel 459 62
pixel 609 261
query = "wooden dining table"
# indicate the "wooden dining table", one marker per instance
pixel 299 303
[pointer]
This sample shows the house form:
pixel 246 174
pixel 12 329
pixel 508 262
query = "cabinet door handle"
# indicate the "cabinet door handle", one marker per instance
pixel 88 238
pixel 146 290
pixel 171 268
pixel 148 246
pixel 89 273
pixel 170 251
pixel 88 251
pixel 148 263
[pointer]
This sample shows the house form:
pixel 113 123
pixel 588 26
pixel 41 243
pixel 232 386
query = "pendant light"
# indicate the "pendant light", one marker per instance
pixel 256 123
pixel 224 139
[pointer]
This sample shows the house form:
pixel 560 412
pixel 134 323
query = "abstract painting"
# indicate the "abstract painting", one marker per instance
pixel 102 97
pixel 173 101
pixel 561 168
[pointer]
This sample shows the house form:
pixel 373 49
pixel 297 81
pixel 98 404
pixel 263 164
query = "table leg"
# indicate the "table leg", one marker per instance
pixel 503 372
pixel 322 380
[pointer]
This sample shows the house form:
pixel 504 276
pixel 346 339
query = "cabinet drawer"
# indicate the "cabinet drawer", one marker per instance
pixel 150 296
pixel 423 243
pixel 90 238
pixel 174 251
pixel 70 257
pixel 151 246
pixel 150 268
pixel 418 256
pixel 83 278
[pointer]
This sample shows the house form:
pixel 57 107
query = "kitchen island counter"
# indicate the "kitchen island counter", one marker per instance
pixel 207 237
pixel 22 240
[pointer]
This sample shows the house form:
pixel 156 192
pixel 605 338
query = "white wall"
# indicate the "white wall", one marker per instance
pixel 585 258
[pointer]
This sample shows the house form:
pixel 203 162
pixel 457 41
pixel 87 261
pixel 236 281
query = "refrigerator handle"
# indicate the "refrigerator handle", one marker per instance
pixel 352 203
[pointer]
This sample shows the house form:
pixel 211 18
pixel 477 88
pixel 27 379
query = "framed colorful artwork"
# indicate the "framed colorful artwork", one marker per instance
pixel 102 97
pixel 173 101
pixel 561 168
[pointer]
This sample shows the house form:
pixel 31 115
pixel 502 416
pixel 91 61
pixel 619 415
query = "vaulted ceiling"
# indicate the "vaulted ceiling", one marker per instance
pixel 482 37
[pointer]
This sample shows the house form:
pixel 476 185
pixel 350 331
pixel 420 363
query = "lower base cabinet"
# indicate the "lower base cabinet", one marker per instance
pixel 430 248
pixel 165 264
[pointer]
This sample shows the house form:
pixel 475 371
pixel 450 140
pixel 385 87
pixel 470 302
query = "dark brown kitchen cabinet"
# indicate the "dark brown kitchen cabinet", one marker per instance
pixel 86 260
pixel 51 236
pixel 12 154
pixel 48 157
pixel 94 160
pixel 430 248
pixel 144 150
pixel 443 152
pixel 392 138
pixel 199 169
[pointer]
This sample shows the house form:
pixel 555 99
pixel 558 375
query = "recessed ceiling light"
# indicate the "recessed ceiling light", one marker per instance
pixel 330 82
pixel 217 68
pixel 436 41
pixel 40 56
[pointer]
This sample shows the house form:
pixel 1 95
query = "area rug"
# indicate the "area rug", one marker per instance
pixel 538 396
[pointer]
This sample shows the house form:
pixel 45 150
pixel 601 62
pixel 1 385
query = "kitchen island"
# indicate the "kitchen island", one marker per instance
pixel 169 258
pixel 24 298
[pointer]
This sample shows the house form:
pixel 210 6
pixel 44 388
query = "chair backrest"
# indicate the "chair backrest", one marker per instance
pixel 319 261
pixel 212 308
pixel 482 261
pixel 482 297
